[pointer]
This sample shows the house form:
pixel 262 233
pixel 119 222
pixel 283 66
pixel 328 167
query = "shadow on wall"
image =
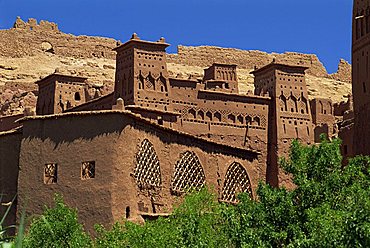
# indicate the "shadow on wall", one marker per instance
pixel 86 127
pixel 67 129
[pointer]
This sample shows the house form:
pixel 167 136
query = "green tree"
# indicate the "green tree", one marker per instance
pixel 196 222
pixel 57 227
pixel 330 206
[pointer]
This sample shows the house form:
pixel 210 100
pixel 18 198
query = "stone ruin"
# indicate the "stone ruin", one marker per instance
pixel 32 24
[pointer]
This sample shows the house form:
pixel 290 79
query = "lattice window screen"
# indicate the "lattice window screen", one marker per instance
pixel 50 174
pixel 88 170
pixel 147 171
pixel 236 181
pixel 188 173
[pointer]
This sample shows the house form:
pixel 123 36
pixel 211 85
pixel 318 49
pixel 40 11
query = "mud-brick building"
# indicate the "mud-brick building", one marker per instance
pixel 133 152
pixel 360 76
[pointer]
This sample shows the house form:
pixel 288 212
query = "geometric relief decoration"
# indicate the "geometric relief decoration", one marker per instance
pixel 147 171
pixel 188 174
pixel 236 181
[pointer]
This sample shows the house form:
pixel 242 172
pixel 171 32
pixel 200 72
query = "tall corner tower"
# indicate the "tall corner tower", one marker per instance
pixel 289 115
pixel 58 93
pixel 361 75
pixel 141 73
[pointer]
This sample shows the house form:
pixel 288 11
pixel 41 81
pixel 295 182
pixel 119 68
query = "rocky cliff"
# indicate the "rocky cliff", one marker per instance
pixel 31 50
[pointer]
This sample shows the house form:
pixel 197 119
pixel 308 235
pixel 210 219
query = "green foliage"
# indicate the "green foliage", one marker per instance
pixel 195 223
pixel 57 227
pixel 5 241
pixel 330 207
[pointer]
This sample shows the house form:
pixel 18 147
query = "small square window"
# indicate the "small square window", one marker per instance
pixel 88 170
pixel 50 174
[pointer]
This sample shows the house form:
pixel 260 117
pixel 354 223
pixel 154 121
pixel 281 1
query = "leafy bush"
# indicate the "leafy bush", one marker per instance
pixel 195 223
pixel 57 227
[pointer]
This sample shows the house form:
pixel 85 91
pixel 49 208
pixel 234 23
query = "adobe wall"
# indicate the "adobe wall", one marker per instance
pixel 9 156
pixel 323 118
pixel 346 135
pixel 113 142
pixel 69 142
pixel 342 107
pixel 169 147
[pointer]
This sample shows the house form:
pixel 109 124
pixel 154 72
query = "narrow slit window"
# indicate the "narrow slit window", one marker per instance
pixel 77 96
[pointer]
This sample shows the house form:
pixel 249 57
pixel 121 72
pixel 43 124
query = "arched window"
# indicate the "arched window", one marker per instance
pixel 149 82
pixel 248 120
pixel 282 103
pixel 201 114
pixel 236 181
pixel 188 174
pixel 209 116
pixel 256 121
pixel 147 171
pixel 217 116
pixel 292 104
pixel 141 81
pixel 303 105
pixel 77 96
pixel 231 118
pixel 192 113
pixel 218 75
pixel 321 108
pixel 240 119
pixel 162 84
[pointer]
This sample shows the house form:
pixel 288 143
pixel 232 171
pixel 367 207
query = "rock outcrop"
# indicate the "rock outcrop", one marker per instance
pixel 344 72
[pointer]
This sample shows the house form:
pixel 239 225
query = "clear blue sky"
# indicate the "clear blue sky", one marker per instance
pixel 322 27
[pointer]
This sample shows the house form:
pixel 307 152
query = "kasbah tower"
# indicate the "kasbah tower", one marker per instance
pixel 361 76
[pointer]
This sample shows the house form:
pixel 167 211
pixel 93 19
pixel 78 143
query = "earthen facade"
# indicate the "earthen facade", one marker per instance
pixel 131 153
pixel 361 76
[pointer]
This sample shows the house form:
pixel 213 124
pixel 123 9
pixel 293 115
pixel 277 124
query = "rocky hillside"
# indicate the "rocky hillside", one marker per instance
pixel 31 50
